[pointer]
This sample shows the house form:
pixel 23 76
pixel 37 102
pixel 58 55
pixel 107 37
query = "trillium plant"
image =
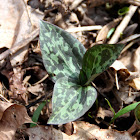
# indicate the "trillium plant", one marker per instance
pixel 72 68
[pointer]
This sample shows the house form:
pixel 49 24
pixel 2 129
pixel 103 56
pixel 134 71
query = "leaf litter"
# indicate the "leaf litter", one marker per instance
pixel 21 57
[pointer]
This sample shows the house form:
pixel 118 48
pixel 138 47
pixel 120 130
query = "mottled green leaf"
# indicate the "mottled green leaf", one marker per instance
pixel 97 59
pixel 70 100
pixel 62 53
pixel 137 113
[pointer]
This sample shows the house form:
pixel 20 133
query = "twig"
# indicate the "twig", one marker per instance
pixel 98 90
pixel 123 24
pixel 20 45
pixel 116 79
pixel 75 4
pixel 130 38
pixel 3 98
pixel 45 77
pixel 85 28
pixel 35 102
pixel 130 44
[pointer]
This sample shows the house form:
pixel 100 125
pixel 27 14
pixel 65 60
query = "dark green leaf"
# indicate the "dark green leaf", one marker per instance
pixel 125 110
pixel 62 53
pixel 97 59
pixel 37 113
pixel 137 113
pixel 70 101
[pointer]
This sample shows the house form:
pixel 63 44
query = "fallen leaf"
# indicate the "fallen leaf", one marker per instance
pixel 46 133
pixel 13 28
pixel 102 35
pixel 136 60
pixel 18 90
pixel 3 107
pixel 28 21
pixel 121 70
pixel 135 83
pixel 86 131
pixel 13 117
pixel 82 131
pixel 36 89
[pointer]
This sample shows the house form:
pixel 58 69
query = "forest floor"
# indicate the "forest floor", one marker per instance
pixel 25 84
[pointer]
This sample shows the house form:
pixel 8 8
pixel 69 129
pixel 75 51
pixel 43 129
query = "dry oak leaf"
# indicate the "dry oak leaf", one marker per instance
pixel 3 107
pixel 12 118
pixel 46 133
pixel 82 131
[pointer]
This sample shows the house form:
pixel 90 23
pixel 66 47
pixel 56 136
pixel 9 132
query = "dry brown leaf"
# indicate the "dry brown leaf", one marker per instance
pixel 68 128
pixel 121 70
pixel 102 35
pixel 124 94
pixel 82 131
pixel 34 15
pixel 16 87
pixel 15 28
pixel 130 30
pixel 136 60
pixel 123 91
pixel 102 113
pixel 135 83
pixel 13 117
pixel 27 23
pixel 36 90
pixel 3 107
pixel 46 133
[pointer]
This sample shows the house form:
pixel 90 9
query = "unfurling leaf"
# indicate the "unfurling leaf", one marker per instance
pixel 97 59
pixel 137 114
pixel 70 100
pixel 123 11
pixel 62 53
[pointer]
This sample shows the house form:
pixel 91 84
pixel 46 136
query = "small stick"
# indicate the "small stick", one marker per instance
pixel 98 90
pixel 130 38
pixel 116 79
pixel 123 24
pixel 35 102
pixel 75 4
pixel 85 28
pixel 45 77
pixel 130 44
pixel 3 98
pixel 39 100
